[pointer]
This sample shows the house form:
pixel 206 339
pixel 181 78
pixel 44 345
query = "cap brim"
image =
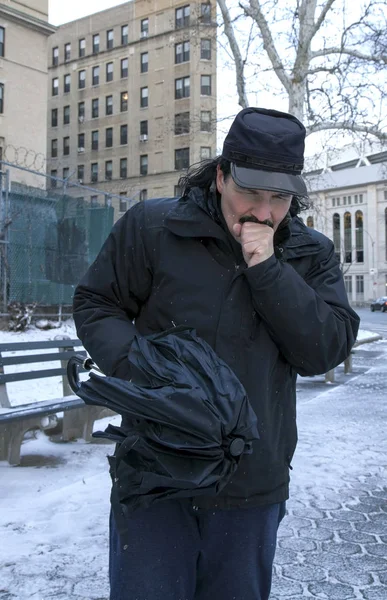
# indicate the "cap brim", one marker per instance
pixel 256 179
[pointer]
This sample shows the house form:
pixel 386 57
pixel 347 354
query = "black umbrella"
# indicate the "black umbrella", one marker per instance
pixel 187 420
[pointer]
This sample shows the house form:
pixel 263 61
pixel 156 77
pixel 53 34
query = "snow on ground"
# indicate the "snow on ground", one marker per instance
pixel 54 507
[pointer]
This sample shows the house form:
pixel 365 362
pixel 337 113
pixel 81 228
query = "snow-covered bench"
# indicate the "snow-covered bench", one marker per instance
pixel 78 419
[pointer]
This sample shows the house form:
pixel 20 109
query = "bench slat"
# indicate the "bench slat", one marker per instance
pixel 12 346
pixel 10 377
pixel 35 358
pixel 45 407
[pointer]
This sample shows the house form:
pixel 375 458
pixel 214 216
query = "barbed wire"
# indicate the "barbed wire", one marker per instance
pixel 25 157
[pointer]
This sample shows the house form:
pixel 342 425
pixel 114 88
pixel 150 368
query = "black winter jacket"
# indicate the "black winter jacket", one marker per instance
pixel 169 263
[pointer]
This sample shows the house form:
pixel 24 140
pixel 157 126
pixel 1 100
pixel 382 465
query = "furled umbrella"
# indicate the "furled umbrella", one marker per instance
pixel 187 420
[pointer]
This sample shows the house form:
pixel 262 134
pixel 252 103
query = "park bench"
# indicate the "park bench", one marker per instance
pixel 330 375
pixel 78 419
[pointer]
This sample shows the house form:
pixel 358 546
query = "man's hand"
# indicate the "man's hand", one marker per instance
pixel 256 240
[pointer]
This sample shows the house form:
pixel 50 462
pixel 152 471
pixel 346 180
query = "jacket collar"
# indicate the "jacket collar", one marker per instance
pixel 194 215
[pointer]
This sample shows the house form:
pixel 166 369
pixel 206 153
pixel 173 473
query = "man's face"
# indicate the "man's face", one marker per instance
pixel 237 203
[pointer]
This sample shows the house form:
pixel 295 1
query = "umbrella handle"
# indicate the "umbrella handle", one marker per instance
pixel 75 363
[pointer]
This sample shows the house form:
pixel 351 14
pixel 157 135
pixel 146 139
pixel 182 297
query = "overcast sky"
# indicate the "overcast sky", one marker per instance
pixel 63 11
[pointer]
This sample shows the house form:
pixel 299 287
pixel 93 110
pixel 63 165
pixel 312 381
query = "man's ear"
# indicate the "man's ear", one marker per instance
pixel 219 179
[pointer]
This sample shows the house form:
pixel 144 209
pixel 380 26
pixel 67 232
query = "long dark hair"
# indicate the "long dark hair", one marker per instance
pixel 203 175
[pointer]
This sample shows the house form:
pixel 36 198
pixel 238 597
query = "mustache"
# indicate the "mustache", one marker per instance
pixel 252 219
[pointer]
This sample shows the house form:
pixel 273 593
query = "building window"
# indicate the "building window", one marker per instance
pixel 310 222
pixel 124 67
pixel 359 286
pixel 109 71
pixel 337 235
pixel 143 195
pixel 81 142
pixel 110 39
pixel 182 88
pixel 182 123
pixel 108 170
pixel 359 237
pixel 124 101
pixel 182 16
pixel 1 98
pixel 333 201
pixel 205 49
pixel 182 52
pixel 109 137
pixel 54 148
pixel 81 112
pixel 66 115
pixel 55 56
pixel 94 172
pixel 65 173
pixel 67 52
pixel 94 140
pixel 177 191
pixel 94 200
pixel 81 79
pixel 338 201
pixel 205 12
pixel 95 108
pixel 144 164
pixel 96 43
pixel 205 152
pixel 82 48
pixel 205 85
pixel 344 200
pixel 144 97
pixel 54 175
pixel 124 35
pixel 95 76
pixel 181 159
pixel 348 284
pixel 144 128
pixel 123 135
pixel 55 86
pixel 349 199
pixel 123 168
pixel 66 146
pixel 54 117
pixel 144 62
pixel 2 41
pixel 347 237
pixel 123 202
pixel 144 27
pixel 109 105
pixel 81 173
pixel 360 198
pixel 67 83
pixel 205 120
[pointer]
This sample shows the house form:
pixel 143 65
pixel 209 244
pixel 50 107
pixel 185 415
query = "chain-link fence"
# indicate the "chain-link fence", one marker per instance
pixel 50 232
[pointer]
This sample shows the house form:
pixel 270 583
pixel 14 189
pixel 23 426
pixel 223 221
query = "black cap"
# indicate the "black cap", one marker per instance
pixel 266 151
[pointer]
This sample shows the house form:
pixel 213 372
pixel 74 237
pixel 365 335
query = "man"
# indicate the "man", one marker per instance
pixel 232 260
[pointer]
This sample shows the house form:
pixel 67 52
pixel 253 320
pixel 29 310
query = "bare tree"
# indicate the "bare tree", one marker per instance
pixel 328 57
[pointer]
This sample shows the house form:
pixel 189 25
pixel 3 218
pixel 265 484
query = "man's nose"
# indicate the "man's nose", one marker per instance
pixel 262 210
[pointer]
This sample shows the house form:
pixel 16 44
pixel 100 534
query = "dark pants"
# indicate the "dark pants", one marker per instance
pixel 174 552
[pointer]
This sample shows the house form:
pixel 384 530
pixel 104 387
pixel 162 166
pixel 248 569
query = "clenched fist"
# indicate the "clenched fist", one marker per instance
pixel 256 240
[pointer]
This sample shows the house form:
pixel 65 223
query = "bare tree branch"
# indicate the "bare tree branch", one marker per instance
pixel 239 63
pixel 255 11
pixel 346 125
pixel 321 19
pixel 348 51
